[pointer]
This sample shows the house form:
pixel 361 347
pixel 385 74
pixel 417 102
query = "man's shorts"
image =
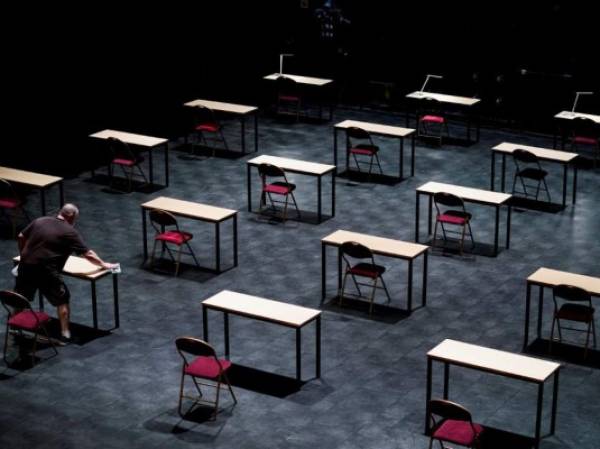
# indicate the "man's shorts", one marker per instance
pixel 49 282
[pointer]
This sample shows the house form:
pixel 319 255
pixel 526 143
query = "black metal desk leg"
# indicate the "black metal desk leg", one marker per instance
pixel 554 402
pixel 116 299
pixel 144 236
pixel 540 311
pixel 319 202
pixel 323 271
pixel 412 159
pixel 496 230
pixel 446 379
pixel 428 395
pixel 508 217
pixel 318 343
pixel 167 164
pixel 564 192
pixel 401 173
pixel 417 219
pixel 218 246
pixel 226 330
pixel 235 241
pixel 43 201
pixel 333 194
pixel 298 354
pixel 61 193
pixel 503 175
pixel 335 148
pixel 243 126
pixel 205 323
pixel 347 152
pixel 256 132
pixel 151 166
pixel 493 171
pixel 538 415
pixel 527 315
pixel 424 291
pixel 410 285
pixel 339 268
pixel 429 211
pixel 94 305
pixel 574 181
pixel 249 186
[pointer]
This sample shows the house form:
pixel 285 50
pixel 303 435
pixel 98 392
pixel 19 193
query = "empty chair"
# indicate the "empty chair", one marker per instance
pixel 452 423
pixel 585 132
pixel 280 188
pixel 10 204
pixel 22 318
pixel 205 366
pixel 457 216
pixel 360 143
pixel 161 222
pixel 431 121
pixel 123 156
pixel 527 167
pixel 206 124
pixel 573 304
pixel 354 254
pixel 288 96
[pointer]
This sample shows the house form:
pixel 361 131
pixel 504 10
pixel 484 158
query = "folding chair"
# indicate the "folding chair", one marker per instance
pixel 431 121
pixel 288 96
pixel 206 123
pixel 10 203
pixel 454 424
pixel 124 157
pixel 281 188
pixel 360 143
pixel 454 217
pixel 527 166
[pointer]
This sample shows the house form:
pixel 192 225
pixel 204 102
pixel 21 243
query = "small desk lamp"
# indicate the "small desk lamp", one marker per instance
pixel 577 94
pixel 427 79
pixel 281 61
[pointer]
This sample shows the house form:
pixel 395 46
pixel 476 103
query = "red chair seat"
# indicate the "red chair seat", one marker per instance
pixel 9 203
pixel 368 150
pixel 289 98
pixel 575 312
pixel 451 219
pixel 458 432
pixel 367 270
pixel 433 119
pixel 126 162
pixel 176 237
pixel 208 127
pixel 586 140
pixel 279 188
pixel 27 320
pixel 206 367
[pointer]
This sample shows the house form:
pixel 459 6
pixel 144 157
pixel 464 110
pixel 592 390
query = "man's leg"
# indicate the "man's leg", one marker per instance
pixel 57 293
pixel 63 316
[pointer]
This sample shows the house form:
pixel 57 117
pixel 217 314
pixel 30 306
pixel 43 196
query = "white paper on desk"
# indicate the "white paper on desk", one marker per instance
pixel 15 271
pixel 116 269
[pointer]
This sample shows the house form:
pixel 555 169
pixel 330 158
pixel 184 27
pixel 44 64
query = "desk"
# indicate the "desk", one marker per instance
pixel 36 180
pixel 449 100
pixel 516 366
pixel 560 157
pixel 284 314
pixel 147 142
pixel 310 82
pixel 238 109
pixel 300 167
pixel 381 130
pixel 81 268
pixel 546 277
pixel 378 245
pixel 471 195
pixel 568 115
pixel 195 211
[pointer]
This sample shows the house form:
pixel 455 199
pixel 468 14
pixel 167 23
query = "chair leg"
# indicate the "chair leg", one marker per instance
pixel 341 292
pixel 295 204
pixel 285 207
pixel 50 340
pixel 471 234
pixel 34 348
pixel 178 261
pixel 514 184
pixel 537 190
pixel 356 162
pixel 181 393
pixel 356 284
pixel 370 165
pixel 217 399
pixel 152 255
pixel 547 191
pixel 434 234
pixel 229 386
pixel 462 239
pixel 373 297
pixel 385 289
pixel 378 163
pixel 551 335
pixel 587 340
pixel 443 231
pixel 192 254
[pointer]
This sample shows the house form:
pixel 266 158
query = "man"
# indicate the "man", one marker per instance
pixel 45 245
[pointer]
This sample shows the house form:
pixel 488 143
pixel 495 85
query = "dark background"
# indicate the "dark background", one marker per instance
pixel 72 70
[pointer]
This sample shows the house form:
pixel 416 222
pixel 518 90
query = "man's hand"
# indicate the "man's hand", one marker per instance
pixel 109 266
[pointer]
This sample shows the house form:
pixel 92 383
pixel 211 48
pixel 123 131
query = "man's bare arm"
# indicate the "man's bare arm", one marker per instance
pixel 96 260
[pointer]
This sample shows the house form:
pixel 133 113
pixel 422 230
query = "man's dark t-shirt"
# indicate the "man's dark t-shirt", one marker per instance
pixel 49 242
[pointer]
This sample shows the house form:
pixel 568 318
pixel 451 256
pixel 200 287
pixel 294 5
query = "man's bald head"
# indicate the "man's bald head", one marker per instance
pixel 69 212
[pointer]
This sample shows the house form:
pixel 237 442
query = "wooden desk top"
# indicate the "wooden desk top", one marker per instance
pixel 493 360
pixel 379 245
pixel 224 107
pixel 134 139
pixel 79 267
pixel 300 79
pixel 375 128
pixel 542 153
pixel 293 165
pixel 260 308
pixel 189 209
pixel 454 99
pixel 568 115
pixel 27 177
pixel 550 278
pixel 466 193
